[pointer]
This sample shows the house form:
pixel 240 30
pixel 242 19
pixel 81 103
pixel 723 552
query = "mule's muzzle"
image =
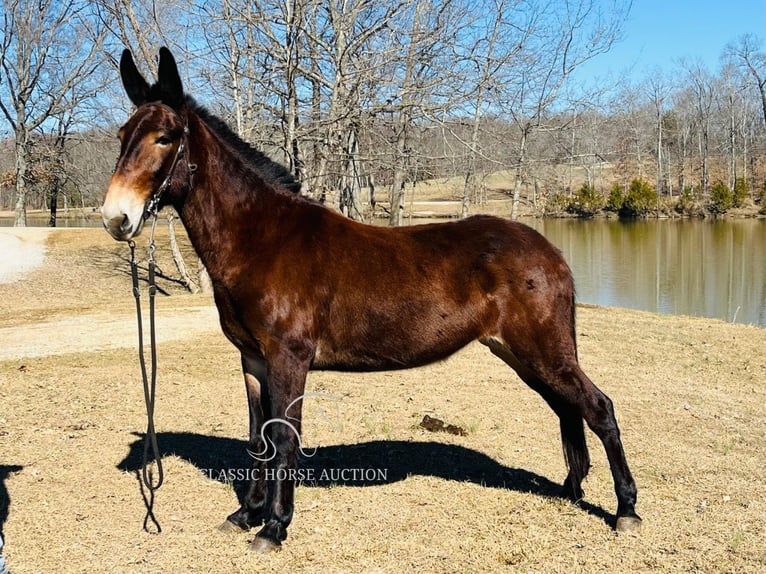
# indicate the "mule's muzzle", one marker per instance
pixel 122 227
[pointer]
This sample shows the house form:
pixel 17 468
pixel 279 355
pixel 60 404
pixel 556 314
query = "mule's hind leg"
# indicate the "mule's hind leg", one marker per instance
pixel 574 397
pixel 598 412
pixel 574 446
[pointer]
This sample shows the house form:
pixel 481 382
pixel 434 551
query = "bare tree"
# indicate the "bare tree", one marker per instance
pixel 658 93
pixel 701 82
pixel 347 92
pixel 423 84
pixel 561 37
pixel 407 94
pixel 342 70
pixel 231 62
pixel 686 118
pixel 140 25
pixel 749 58
pixel 491 51
pixel 730 107
pixel 58 158
pixel 43 56
pixel 749 54
pixel 257 47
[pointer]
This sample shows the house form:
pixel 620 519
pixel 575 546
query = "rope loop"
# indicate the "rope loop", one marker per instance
pixel 149 378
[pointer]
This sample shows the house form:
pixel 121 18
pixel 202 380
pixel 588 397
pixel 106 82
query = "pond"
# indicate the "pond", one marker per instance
pixel 63 222
pixel 687 267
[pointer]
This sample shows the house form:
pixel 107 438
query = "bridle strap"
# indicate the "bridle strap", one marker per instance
pixel 152 206
pixel 149 380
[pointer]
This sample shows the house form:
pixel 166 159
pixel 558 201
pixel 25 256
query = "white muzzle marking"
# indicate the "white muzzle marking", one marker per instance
pixel 123 214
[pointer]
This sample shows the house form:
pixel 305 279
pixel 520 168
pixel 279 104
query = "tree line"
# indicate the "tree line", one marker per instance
pixel 363 98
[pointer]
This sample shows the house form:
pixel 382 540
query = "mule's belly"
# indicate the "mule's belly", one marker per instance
pixel 376 344
pixel 382 358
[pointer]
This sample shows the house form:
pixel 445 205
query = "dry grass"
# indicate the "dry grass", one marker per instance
pixel 689 395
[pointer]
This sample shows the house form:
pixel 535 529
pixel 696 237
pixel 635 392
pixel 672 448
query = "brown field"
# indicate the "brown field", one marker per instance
pixel 689 395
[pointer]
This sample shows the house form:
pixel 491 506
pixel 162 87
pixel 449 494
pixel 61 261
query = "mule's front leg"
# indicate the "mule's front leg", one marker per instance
pixel 250 513
pixel 287 380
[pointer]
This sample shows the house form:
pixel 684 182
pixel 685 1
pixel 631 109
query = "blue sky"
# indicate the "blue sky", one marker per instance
pixel 659 33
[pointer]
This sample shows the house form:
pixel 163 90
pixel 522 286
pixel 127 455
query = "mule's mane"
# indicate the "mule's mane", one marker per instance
pixel 272 171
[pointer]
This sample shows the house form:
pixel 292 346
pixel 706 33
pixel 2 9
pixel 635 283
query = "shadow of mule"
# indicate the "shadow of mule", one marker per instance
pixel 5 499
pixel 366 464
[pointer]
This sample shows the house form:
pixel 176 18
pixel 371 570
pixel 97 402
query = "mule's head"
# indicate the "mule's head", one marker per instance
pixel 149 145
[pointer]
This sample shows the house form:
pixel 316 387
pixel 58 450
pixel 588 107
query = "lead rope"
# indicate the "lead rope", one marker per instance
pixel 149 382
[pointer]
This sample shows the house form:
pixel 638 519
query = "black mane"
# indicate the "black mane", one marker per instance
pixel 273 171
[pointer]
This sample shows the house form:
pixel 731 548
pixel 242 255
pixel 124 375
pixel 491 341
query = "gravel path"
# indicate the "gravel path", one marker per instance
pixel 98 332
pixel 21 250
pixel 24 249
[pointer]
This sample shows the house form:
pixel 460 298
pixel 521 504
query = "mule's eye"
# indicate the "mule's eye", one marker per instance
pixel 163 140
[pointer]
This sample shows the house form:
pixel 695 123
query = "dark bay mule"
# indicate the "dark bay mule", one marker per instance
pixel 301 287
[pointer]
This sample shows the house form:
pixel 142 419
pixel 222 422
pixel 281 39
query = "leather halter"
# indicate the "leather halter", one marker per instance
pixel 152 205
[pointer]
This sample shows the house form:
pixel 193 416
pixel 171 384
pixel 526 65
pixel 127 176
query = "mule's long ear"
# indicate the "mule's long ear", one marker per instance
pixel 134 83
pixel 169 81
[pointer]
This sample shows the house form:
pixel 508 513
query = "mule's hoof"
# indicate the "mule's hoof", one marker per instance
pixel 630 524
pixel 230 528
pixel 264 545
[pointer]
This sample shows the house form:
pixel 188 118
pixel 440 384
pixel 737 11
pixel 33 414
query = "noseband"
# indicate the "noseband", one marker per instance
pixel 152 206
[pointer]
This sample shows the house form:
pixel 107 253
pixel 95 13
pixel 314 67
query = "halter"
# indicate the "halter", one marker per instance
pixel 152 206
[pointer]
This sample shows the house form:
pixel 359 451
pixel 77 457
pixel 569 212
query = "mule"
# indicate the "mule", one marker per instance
pixel 299 287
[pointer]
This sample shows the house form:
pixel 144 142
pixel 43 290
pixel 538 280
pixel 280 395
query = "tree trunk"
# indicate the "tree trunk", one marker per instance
pixel 732 145
pixel 402 159
pixel 22 165
pixel 234 54
pixel 351 188
pixel 469 178
pixel 396 216
pixel 683 153
pixel 761 81
pixel 177 257
pixel 54 204
pixel 744 162
pixel 470 174
pixel 519 173
pixel 373 201
pixel 205 285
pixel 659 152
pixel 705 154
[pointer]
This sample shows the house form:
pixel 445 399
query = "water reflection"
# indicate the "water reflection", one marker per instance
pixel 706 268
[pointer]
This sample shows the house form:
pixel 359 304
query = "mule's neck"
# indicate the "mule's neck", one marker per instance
pixel 229 207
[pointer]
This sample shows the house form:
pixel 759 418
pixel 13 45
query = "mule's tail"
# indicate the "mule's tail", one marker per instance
pixel 573 441
pixel 576 454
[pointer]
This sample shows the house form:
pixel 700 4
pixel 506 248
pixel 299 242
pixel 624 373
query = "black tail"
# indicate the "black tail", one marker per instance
pixel 576 454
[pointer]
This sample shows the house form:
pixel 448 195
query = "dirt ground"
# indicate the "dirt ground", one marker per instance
pixel 689 394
